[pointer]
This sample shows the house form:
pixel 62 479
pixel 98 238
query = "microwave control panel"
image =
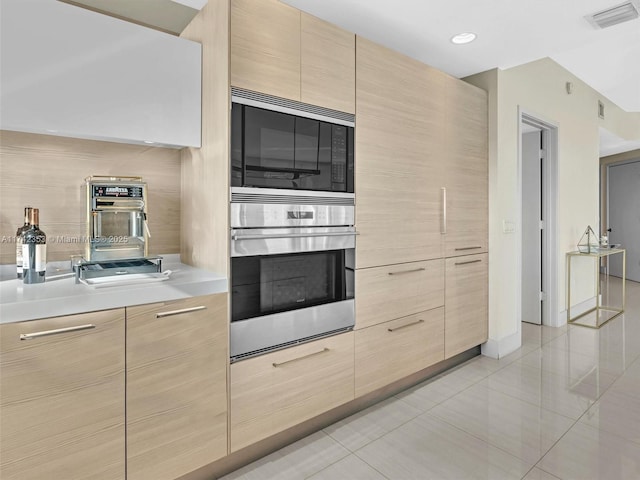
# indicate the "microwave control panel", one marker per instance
pixel 338 154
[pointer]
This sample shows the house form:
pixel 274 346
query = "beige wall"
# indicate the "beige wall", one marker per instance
pixel 47 172
pixel 539 88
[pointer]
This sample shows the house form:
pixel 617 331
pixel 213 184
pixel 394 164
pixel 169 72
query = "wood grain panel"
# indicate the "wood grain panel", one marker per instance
pixel 267 399
pixel 47 172
pixel 62 399
pixel 328 65
pixel 265 47
pixel 400 149
pixel 176 387
pixel 393 291
pixel 393 350
pixel 466 169
pixel 466 303
pixel 205 171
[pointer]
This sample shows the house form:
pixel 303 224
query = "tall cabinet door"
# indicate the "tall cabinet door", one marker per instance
pixel 62 398
pixel 400 154
pixel 176 386
pixel 466 169
pixel 265 47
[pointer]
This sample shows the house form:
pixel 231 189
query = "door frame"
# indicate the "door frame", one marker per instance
pixel 608 204
pixel 549 132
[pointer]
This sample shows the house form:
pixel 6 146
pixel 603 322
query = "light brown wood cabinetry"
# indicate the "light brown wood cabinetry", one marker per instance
pixel 395 349
pixel 265 47
pixel 466 169
pixel 280 51
pixel 62 398
pixel 176 386
pixel 393 291
pixel 273 392
pixel 328 72
pixel 400 148
pixel 466 302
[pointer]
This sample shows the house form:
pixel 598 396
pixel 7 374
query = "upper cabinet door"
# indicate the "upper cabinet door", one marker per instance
pixel 265 47
pixel 467 169
pixel 328 65
pixel 400 157
pixel 72 72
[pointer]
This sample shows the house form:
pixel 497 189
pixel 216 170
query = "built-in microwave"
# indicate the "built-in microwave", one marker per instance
pixel 278 143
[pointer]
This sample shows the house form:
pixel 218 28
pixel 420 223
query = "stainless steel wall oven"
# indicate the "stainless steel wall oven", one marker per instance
pixel 292 269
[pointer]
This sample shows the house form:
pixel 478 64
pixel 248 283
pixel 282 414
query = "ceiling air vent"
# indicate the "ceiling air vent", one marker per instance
pixel 614 15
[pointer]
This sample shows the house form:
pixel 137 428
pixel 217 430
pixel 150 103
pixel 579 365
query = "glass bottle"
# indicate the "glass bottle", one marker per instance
pixel 34 251
pixel 19 237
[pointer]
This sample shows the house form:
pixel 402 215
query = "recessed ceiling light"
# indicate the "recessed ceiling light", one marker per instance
pixel 463 38
pixel 149 142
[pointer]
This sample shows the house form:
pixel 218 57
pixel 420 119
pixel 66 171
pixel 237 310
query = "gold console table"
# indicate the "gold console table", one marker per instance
pixel 603 313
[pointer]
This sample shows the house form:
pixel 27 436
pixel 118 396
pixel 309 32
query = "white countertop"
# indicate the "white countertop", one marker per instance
pixel 62 296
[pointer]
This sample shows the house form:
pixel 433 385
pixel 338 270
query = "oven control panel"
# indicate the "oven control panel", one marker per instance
pixel 253 215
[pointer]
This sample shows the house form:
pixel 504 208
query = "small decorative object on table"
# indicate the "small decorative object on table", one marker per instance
pixel 589 241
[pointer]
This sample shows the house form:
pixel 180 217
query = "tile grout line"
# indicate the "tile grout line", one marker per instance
pixel 393 399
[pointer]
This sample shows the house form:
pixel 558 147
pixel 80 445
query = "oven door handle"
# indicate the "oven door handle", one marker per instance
pixel 293 235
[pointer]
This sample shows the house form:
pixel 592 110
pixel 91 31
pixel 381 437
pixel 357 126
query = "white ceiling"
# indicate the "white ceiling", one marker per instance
pixel 510 33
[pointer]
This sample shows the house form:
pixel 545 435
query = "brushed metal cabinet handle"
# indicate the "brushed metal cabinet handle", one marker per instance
pixel 405 326
pixel 293 235
pixel 407 271
pixel 57 331
pixel 467 263
pixel 443 231
pixel 325 349
pixel 467 248
pixel 180 312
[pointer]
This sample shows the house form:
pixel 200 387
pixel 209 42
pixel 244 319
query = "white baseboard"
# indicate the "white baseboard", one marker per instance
pixel 501 348
pixel 576 310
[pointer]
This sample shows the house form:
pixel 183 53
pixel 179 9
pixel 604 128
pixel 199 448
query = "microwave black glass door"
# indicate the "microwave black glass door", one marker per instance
pixel 278 150
pixel 262 285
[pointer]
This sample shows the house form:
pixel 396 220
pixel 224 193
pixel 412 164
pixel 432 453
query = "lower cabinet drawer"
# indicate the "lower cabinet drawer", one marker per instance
pixel 176 377
pixel 466 319
pixel 393 350
pixel 273 392
pixel 395 291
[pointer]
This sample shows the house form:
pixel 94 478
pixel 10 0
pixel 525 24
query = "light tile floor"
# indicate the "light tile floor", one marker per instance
pixel 566 405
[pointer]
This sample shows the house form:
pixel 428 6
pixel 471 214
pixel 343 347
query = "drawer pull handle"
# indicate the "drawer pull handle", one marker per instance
pixel 467 248
pixel 46 333
pixel 407 271
pixel 325 349
pixel 180 312
pixel 293 235
pixel 405 326
pixel 467 263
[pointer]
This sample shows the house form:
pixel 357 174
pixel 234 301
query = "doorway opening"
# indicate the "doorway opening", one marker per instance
pixel 623 224
pixel 538 173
